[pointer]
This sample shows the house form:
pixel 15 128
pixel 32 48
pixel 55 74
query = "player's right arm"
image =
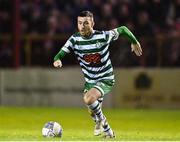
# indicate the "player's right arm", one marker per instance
pixel 63 51
pixel 57 59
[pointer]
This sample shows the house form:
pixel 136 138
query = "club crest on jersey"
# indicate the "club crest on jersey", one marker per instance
pixel 98 44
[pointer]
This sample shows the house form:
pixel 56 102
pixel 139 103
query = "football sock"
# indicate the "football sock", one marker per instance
pixel 107 129
pixel 100 100
pixel 93 115
pixel 96 109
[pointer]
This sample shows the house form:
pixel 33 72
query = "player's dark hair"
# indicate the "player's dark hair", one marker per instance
pixel 86 14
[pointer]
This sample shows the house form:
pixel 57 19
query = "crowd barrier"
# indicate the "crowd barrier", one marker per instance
pixel 134 88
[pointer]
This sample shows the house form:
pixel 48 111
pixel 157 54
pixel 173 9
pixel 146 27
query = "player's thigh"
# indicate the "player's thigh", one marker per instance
pixel 92 95
pixel 104 86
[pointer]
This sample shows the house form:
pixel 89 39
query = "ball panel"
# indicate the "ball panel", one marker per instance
pixel 45 132
pixel 52 129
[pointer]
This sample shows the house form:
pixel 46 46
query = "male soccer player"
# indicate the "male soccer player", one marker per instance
pixel 91 49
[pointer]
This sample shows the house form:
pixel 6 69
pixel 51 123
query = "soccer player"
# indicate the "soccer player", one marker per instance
pixel 91 49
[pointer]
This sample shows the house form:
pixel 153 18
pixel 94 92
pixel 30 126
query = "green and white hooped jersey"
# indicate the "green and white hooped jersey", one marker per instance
pixel 93 54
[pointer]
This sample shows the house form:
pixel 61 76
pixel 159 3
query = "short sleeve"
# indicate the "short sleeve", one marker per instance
pixel 111 35
pixel 69 45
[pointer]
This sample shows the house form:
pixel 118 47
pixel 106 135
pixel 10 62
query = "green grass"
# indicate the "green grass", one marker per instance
pixel 20 123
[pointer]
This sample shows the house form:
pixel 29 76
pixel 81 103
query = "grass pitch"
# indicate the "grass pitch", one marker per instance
pixel 25 123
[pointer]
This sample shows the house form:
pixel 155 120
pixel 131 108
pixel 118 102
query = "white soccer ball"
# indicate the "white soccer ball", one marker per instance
pixel 52 129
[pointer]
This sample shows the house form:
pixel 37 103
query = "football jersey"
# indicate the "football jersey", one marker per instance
pixel 93 54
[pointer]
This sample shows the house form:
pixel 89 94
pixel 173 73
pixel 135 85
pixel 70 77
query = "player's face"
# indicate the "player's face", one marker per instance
pixel 85 25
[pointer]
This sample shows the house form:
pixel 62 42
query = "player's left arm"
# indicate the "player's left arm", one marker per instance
pixel 135 45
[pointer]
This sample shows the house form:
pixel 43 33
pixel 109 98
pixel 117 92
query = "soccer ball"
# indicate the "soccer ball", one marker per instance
pixel 52 129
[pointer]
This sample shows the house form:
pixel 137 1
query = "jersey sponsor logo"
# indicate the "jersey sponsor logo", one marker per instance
pixel 92 58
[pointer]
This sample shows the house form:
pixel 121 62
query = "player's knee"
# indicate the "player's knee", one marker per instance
pixel 85 99
pixel 91 96
pixel 88 99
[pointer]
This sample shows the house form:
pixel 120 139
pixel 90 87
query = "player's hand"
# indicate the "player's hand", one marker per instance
pixel 57 63
pixel 136 48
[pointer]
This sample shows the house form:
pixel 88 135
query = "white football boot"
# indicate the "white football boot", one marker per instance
pixel 98 129
pixel 109 132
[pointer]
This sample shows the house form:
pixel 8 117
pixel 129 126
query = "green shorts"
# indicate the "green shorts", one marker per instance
pixel 104 86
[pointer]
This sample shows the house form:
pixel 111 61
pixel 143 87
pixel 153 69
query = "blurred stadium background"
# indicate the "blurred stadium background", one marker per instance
pixel 33 31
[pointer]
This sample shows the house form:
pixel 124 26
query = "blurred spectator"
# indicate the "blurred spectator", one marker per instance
pixel 158 12
pixel 144 27
pixel 141 5
pixel 174 13
pixel 5 55
pixel 5 16
pixel 113 23
pixel 5 22
pixel 37 21
pixel 175 54
pixel 124 13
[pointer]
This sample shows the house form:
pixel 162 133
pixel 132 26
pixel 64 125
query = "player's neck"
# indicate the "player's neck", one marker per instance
pixel 88 35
